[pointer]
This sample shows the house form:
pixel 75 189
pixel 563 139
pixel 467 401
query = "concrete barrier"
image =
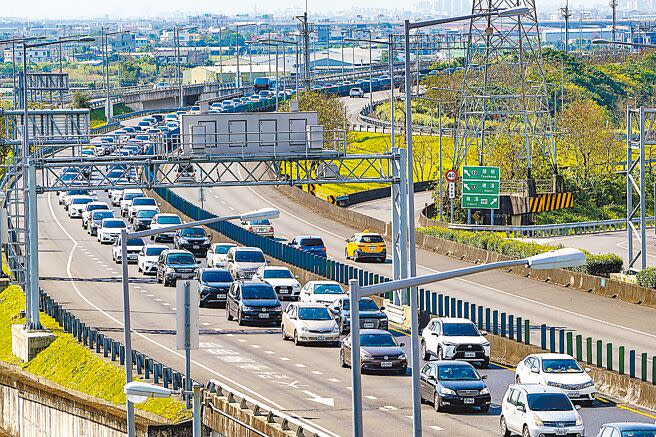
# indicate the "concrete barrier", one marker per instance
pixel 579 281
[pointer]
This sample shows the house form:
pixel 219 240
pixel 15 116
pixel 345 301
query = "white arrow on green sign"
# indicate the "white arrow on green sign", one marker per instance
pixel 480 187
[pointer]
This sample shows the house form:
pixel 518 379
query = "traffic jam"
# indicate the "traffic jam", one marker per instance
pixel 548 390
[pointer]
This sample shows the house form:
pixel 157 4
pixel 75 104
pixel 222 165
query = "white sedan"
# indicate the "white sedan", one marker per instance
pixel 216 255
pixel 307 322
pixel 281 279
pixel 556 370
pixel 324 292
pixel 147 258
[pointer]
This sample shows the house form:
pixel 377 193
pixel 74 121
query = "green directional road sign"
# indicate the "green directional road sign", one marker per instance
pixel 480 187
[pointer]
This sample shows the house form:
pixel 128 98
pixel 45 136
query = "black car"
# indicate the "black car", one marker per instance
pixel 213 286
pixel 195 240
pixel 454 384
pixel 143 219
pixel 380 352
pixel 175 264
pixel 96 219
pixel 253 302
pixel 371 317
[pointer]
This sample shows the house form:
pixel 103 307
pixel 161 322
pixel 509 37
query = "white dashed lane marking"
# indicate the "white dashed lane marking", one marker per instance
pixel 371 398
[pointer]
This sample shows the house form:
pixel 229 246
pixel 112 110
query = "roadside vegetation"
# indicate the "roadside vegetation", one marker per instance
pixel 71 365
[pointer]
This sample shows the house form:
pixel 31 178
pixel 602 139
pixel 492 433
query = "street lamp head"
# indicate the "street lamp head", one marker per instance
pixel 138 392
pixel 600 41
pixel 514 12
pixel 557 259
pixel 260 214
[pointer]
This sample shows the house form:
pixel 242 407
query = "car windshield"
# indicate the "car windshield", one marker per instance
pixel 249 256
pixel 641 433
pixel 154 251
pixel 278 274
pixel 76 192
pixel 169 220
pixel 97 206
pixel 81 200
pixel 146 213
pixel 136 242
pixel 115 174
pixel 99 215
pixel 456 373
pixel 328 289
pixel 181 258
pixel 549 402
pixel 371 239
pixel 561 366
pixel 119 224
pixel 144 201
pixel 314 314
pixel 364 305
pixel 216 276
pixel 130 196
pixel 311 242
pixel 257 291
pixel 193 232
pixel 377 340
pixel 222 250
pixel 260 222
pixel 460 330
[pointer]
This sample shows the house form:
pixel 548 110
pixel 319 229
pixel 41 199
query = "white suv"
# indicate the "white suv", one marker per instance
pixel 110 229
pixel 281 279
pixel 243 262
pixel 561 371
pixel 535 410
pixel 450 338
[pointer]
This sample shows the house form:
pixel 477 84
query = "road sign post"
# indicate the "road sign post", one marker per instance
pixel 480 188
pixel 186 333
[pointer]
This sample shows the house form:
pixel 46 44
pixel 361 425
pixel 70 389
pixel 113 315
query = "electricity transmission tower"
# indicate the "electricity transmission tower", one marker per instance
pixel 566 14
pixel 504 114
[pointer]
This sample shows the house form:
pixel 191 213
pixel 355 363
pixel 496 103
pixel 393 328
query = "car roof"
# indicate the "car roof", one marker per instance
pixel 173 251
pixel 247 248
pixel 536 388
pixel 323 282
pixel 149 246
pixel 553 356
pixel 309 305
pixel 451 363
pixel 453 320
pixel 367 234
pixel 308 236
pixel 374 331
pixel 214 269
pixel 167 214
pixel 632 426
pixel 274 268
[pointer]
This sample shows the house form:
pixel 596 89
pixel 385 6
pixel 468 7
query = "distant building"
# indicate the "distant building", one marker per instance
pixel 210 74
pixel 124 42
pixel 188 56
pixel 40 54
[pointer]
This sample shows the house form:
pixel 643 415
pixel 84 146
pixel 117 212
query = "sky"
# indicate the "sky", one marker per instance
pixel 54 9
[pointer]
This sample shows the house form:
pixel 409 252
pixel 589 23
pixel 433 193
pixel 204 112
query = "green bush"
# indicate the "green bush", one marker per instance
pixel 597 265
pixel 647 277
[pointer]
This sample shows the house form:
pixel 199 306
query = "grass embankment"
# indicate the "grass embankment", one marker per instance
pixel 69 364
pixel 98 115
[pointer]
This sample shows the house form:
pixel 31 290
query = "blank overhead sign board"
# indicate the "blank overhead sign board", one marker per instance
pixel 251 133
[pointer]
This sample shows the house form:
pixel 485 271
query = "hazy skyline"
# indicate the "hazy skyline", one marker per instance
pixel 44 9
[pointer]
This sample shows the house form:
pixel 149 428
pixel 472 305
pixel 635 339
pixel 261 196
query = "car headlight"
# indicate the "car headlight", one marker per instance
pixel 278 308
pixel 247 308
pixel 335 328
pixel 485 391
pixel 588 384
pixel 447 391
pixel 579 420
pixel 183 241
pixel 402 357
pixel 486 344
pixel 448 343
pixel 364 355
pixel 304 329
pixel 554 384
pixel 170 270
pixel 537 421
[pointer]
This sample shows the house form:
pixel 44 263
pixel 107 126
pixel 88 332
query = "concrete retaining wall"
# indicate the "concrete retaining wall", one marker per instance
pixel 590 284
pixel 34 407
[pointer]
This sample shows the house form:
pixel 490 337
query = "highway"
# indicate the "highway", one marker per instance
pixel 381 209
pixel 307 382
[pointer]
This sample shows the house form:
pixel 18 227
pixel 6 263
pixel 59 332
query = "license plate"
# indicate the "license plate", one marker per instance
pixel 321 338
pixel 469 400
pixel 573 394
pixel 220 296
pixel 263 315
pixel 284 291
pixel 368 325
pixel 561 431
pixel 188 276
pixel 385 364
pixel 470 354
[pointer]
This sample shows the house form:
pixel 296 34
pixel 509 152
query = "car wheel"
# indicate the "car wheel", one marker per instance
pixel 284 336
pixel 296 342
pixel 346 254
pixel 526 432
pixel 342 361
pixel 167 283
pixel 424 352
pixel 356 256
pixel 240 321
pixel 440 354
pixel 138 268
pixel 485 408
pixel 518 380
pixel 504 427
pixel 229 315
pixel 485 364
pixel 437 403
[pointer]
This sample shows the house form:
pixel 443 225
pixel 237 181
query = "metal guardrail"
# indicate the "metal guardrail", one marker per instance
pixel 273 416
pixel 555 230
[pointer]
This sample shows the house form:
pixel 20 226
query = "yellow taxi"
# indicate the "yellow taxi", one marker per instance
pixel 366 245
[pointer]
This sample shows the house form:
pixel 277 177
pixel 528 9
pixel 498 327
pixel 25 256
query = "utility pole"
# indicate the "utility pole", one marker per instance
pixel 566 14
pixel 305 41
pixel 613 5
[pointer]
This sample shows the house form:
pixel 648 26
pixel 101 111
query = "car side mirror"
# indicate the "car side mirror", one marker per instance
pixel 521 408
pixel 210 237
pixel 435 333
pixel 198 261
pixel 382 308
pixel 483 376
pixel 431 378
pixel 347 240
pixel 535 370
pixel 401 344
pixel 484 332
pixel 295 276
pixel 577 407
pixel 587 370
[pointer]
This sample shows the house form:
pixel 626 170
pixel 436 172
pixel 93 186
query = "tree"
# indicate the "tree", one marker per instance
pixel 588 145
pixel 81 100
pixel 332 113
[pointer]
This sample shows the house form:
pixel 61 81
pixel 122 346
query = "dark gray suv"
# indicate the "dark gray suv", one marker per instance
pixel 175 264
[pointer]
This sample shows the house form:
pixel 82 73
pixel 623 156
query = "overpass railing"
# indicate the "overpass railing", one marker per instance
pixel 553 230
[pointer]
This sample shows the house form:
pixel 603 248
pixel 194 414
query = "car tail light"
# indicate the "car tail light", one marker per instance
pixel 270 229
pixel 323 249
pixel 250 229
